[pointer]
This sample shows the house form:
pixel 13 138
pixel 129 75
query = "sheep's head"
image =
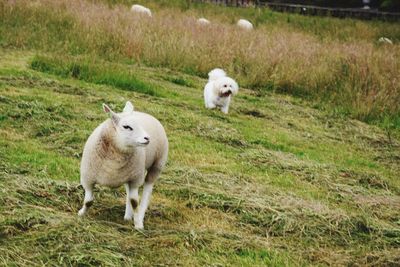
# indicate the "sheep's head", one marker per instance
pixel 128 133
pixel 225 87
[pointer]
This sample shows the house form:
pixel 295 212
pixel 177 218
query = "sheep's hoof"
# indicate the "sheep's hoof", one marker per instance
pixel 128 217
pixel 139 226
pixel 81 212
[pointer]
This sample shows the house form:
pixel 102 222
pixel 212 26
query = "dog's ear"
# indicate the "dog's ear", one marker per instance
pixel 218 86
pixel 235 88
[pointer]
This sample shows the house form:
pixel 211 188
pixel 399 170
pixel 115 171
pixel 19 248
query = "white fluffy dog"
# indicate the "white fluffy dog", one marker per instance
pixel 219 89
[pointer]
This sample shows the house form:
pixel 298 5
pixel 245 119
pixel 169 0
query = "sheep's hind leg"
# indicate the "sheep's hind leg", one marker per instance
pixel 151 177
pixel 88 200
pixel 132 201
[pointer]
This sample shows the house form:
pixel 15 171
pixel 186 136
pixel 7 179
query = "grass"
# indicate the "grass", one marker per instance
pixel 287 179
pixel 260 187
pixel 335 62
pixel 91 72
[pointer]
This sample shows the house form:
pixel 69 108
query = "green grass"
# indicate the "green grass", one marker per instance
pixel 288 178
pixel 275 183
pixel 95 72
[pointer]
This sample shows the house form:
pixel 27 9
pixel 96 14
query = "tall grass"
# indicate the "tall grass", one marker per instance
pixel 359 76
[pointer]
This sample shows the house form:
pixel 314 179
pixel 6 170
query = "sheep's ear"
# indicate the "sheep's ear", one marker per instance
pixel 107 109
pixel 128 107
pixel 114 117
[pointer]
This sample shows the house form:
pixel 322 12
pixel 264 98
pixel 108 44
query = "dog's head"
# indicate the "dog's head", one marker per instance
pixel 225 87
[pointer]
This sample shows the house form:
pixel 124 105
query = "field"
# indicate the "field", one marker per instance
pixel 303 171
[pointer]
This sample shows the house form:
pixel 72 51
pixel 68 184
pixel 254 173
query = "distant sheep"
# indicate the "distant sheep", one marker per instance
pixel 203 21
pixel 385 40
pixel 141 10
pixel 120 151
pixel 245 24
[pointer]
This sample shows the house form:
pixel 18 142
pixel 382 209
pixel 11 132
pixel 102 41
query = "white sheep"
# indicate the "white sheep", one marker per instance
pixel 120 151
pixel 385 40
pixel 203 21
pixel 244 24
pixel 141 10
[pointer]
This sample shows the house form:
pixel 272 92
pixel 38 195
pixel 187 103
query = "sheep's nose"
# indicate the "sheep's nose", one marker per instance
pixel 147 140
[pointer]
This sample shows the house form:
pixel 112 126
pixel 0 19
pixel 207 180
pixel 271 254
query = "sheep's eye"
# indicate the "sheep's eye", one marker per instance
pixel 128 127
pixel 224 85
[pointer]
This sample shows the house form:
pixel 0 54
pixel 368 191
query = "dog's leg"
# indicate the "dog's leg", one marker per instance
pixel 211 106
pixel 225 109
pixel 209 103
pixel 208 99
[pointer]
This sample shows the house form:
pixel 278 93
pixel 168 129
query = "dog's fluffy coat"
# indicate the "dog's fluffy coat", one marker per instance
pixel 219 89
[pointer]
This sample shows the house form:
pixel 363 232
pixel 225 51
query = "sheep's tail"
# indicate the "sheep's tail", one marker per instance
pixel 216 74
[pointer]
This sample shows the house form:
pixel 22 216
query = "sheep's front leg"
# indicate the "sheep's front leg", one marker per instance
pixel 132 201
pixel 88 200
pixel 144 203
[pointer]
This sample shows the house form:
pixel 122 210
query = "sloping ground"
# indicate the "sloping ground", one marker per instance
pixel 338 63
pixel 274 183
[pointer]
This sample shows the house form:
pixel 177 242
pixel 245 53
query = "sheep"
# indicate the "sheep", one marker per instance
pixel 244 24
pixel 203 21
pixel 385 40
pixel 141 10
pixel 129 148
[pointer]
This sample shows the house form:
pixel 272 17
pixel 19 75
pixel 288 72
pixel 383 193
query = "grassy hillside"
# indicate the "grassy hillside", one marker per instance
pixel 282 180
pixel 335 62
pixel 274 183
